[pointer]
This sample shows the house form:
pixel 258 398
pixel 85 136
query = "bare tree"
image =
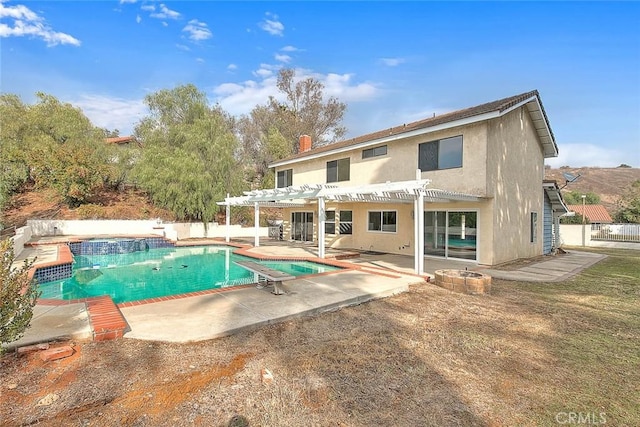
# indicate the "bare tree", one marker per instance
pixel 305 112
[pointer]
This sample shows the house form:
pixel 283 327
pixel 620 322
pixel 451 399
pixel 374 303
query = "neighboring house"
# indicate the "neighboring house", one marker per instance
pixel 596 214
pixel 464 185
pixel 122 141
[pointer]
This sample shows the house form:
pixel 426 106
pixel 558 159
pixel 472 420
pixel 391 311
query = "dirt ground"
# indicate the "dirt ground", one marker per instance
pixel 381 363
pixel 46 204
pixel 425 357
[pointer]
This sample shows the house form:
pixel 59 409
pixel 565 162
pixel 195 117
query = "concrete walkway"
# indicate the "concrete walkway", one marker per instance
pixel 215 315
pixel 556 269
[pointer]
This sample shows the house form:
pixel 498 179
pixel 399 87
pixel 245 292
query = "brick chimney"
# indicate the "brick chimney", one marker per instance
pixel 304 143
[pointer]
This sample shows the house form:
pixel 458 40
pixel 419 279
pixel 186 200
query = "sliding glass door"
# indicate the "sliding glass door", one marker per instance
pixel 302 226
pixel 451 234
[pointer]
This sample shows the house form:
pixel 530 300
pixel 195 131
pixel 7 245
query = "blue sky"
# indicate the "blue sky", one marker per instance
pixel 390 62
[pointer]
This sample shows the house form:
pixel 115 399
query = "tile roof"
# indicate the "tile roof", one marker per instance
pixel 594 213
pixel 498 106
pixel 120 140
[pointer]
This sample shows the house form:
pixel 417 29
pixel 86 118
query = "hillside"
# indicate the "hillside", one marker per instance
pixel 608 183
pixel 45 204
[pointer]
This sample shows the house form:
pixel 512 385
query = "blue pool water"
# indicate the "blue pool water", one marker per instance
pixel 162 272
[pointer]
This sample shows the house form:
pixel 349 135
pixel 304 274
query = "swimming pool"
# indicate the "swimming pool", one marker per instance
pixel 162 272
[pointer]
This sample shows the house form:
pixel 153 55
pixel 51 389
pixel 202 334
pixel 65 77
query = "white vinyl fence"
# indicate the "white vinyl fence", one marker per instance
pixel 616 232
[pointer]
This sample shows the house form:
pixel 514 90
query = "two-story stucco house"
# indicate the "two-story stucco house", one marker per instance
pixel 463 185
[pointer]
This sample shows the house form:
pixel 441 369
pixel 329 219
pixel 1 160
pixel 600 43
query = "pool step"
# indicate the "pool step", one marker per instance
pixel 107 323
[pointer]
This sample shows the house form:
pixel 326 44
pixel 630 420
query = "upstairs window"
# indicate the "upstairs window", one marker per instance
pixel 285 178
pixel 374 152
pixel 338 170
pixel 441 154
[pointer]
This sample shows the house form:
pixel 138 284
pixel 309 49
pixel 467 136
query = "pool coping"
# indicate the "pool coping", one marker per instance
pixel 107 321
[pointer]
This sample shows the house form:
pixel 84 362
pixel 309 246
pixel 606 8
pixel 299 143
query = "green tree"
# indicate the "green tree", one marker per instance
pixel 57 145
pixel 188 162
pixel 18 295
pixel 575 198
pixel 629 205
pixel 575 219
pixel 13 169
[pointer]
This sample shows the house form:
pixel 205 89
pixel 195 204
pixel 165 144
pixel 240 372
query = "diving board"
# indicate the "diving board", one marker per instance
pixel 270 274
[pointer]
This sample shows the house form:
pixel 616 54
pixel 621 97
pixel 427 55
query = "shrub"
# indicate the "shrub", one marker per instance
pixel 18 295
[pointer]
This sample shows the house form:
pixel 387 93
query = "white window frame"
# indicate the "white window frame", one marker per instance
pixel 340 221
pixel 327 221
pixel 382 211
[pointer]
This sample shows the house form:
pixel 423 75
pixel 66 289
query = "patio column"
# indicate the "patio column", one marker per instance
pixel 256 224
pixel 227 236
pixel 420 226
pixel 321 221
pixel 416 253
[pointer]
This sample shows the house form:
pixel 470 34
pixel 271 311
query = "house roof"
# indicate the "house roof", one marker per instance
pixel 552 190
pixel 120 140
pixel 594 213
pixel 444 121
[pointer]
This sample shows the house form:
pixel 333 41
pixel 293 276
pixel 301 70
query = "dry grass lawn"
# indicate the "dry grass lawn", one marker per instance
pixel 528 354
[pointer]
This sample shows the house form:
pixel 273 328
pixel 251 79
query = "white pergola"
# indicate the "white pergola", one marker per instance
pixel 414 191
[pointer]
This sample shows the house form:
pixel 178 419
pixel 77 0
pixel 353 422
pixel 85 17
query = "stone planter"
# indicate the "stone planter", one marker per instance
pixel 463 281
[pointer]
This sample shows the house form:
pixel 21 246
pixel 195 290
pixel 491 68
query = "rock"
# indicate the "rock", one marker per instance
pixel 48 399
pixel 12 386
pixel 56 353
pixel 266 376
pixel 31 348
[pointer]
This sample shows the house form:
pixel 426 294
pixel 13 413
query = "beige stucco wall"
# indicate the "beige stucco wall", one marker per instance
pixel 401 163
pixel 515 170
pixel 502 162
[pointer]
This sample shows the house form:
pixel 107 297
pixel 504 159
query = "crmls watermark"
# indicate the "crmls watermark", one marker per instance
pixel 588 418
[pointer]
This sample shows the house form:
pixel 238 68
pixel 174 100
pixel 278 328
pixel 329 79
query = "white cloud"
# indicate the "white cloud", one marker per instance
pixel 200 60
pixel 138 19
pixel 183 47
pixel 341 86
pixel 111 112
pixel 197 30
pixel 148 7
pixel 392 62
pixel 28 23
pixel 232 67
pixel 127 1
pixel 272 25
pixel 577 155
pixel 290 48
pixel 18 12
pixel 282 58
pixel 241 98
pixel 164 24
pixel 163 13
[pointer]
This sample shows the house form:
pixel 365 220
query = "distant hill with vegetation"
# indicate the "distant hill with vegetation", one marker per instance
pixel 609 183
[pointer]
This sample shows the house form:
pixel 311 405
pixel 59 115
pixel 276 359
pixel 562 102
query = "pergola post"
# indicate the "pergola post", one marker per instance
pixel 227 236
pixel 416 254
pixel 420 222
pixel 321 221
pixel 256 224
